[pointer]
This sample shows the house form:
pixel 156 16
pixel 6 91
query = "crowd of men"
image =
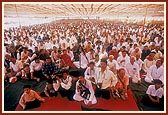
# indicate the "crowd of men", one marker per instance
pixel 109 54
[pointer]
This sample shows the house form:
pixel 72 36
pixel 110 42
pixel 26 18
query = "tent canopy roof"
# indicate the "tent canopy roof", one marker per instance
pixel 85 9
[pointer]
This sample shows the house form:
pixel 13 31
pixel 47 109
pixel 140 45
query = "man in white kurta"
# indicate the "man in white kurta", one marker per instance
pixel 48 45
pixel 84 60
pixel 90 72
pixel 148 62
pixel 123 59
pixel 139 61
pixel 132 70
pixel 155 72
pixel 105 79
pixel 15 66
pixel 112 64
pixel 54 55
pixel 36 69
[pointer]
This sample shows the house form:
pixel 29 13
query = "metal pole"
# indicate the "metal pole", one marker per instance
pixel 17 15
pixel 146 14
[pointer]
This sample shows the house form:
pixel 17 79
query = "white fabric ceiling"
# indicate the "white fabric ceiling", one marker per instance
pixel 81 10
pixel 29 13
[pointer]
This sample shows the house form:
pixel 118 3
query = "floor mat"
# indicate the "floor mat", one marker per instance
pixel 56 104
pixel 12 93
pixel 139 90
pixel 62 104
pixel 116 105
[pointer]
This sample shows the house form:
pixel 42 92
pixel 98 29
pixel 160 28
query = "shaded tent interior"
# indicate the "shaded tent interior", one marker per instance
pixel 32 13
pixel 19 14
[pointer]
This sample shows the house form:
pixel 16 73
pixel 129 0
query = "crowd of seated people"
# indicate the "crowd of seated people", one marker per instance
pixel 110 55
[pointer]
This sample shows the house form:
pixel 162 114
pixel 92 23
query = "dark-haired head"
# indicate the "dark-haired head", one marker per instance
pixel 27 86
pixel 104 60
pixel 49 81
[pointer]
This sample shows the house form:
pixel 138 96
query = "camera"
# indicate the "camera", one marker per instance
pixel 99 85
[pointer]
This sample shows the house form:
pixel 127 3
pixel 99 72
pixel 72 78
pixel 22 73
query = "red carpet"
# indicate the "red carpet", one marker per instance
pixel 56 104
pixel 117 105
pixel 62 104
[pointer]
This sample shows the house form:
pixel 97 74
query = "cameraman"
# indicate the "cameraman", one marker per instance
pixel 84 91
pixel 65 85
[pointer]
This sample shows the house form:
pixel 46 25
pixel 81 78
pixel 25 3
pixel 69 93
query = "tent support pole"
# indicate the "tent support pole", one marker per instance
pixel 17 15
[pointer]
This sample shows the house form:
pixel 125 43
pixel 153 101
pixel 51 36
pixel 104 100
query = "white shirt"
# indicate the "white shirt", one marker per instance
pixel 139 62
pixel 83 61
pixel 89 73
pixel 69 44
pixel 107 78
pixel 73 39
pixel 103 55
pixel 15 67
pixel 56 45
pixel 153 92
pixel 36 66
pixel 97 63
pixel 112 63
pixel 97 47
pixel 66 83
pixel 120 58
pixel 54 56
pixel 48 45
pixel 70 53
pixel 155 73
pixel 132 70
pixel 31 57
pixel 90 56
pixel 147 64
pixel 88 85
pixel 31 47
pixel 119 46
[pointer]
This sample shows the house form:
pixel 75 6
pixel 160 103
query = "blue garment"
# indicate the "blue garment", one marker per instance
pixel 7 63
pixel 49 69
